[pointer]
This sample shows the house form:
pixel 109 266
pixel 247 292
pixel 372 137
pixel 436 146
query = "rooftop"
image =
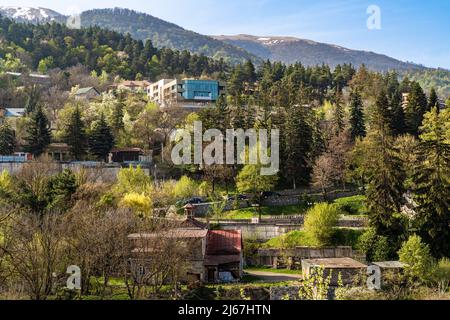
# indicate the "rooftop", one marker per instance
pixel 175 233
pixel 390 264
pixel 224 242
pixel 85 90
pixel 335 263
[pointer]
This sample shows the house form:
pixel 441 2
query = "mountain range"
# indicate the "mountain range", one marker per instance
pixel 231 48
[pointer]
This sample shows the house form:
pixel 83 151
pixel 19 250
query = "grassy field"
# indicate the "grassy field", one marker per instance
pixel 354 205
pixel 279 271
pixel 341 237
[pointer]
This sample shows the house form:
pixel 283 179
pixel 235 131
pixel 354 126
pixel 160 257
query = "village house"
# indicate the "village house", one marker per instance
pixel 88 93
pixel 59 152
pixel 134 85
pixel 215 255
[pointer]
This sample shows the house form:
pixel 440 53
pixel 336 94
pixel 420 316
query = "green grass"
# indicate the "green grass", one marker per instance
pixel 341 237
pixel 355 205
pixel 279 271
pixel 289 240
pixel 248 213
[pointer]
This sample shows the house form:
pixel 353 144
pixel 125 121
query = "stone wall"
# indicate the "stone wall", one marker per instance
pixel 284 293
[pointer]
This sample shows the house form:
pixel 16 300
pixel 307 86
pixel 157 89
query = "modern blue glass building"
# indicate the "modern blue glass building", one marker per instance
pixel 200 90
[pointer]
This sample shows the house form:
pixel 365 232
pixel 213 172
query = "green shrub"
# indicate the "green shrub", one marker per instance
pixel 375 247
pixel 347 237
pixel 319 223
pixel 354 205
pixel 416 254
pixel 289 240
pixel 441 275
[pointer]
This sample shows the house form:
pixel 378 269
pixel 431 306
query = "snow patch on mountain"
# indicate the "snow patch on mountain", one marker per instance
pixel 30 14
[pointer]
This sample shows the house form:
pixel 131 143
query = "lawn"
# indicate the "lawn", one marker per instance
pixel 279 271
pixel 355 205
pixel 341 237
pixel 249 213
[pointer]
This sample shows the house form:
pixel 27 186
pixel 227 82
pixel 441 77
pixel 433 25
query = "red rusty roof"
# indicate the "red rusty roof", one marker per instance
pixel 219 260
pixel 223 242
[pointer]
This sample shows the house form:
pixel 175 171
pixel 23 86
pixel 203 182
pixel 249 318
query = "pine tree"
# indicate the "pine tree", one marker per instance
pixel 338 114
pixel 385 175
pixel 433 100
pixel 398 125
pixel 249 71
pixel 75 135
pixel 38 134
pixel 416 108
pixel 101 140
pixel 117 123
pixel 297 145
pixel 7 140
pixel 432 183
pixel 357 122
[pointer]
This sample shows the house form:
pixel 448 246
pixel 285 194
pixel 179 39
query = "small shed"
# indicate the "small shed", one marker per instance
pixel 348 268
pixel 124 155
pixel 389 269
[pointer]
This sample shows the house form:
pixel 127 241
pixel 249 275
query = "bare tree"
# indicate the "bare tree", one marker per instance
pixel 32 247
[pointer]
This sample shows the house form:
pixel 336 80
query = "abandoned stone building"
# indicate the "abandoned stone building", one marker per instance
pixel 213 255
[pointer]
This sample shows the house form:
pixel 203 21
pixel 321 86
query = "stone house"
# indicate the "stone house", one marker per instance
pixel 214 256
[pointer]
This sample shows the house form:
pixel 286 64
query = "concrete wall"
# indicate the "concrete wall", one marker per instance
pixel 100 173
pixel 261 232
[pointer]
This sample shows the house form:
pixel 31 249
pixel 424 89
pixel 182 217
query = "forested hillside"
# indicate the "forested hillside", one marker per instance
pixel 46 46
pixel 163 34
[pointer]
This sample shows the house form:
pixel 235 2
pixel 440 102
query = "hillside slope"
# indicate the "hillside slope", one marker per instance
pixel 291 50
pixel 143 26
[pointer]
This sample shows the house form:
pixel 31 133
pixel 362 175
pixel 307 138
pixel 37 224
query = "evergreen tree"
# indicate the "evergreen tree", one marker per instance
pixel 7 140
pixel 75 135
pixel 432 182
pixel 297 145
pixel 433 100
pixel 117 123
pixel 249 71
pixel 357 122
pixel 338 114
pixel 38 134
pixel 416 108
pixel 101 140
pixel 398 125
pixel 385 175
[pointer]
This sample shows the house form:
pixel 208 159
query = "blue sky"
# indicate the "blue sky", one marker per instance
pixel 411 30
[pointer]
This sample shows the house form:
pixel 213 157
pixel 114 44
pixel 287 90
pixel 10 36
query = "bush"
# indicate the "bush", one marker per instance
pixel 319 223
pixel 375 247
pixel 441 276
pixel 139 203
pixel 289 240
pixel 133 180
pixel 185 188
pixel 352 205
pixel 416 254
pixel 347 237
